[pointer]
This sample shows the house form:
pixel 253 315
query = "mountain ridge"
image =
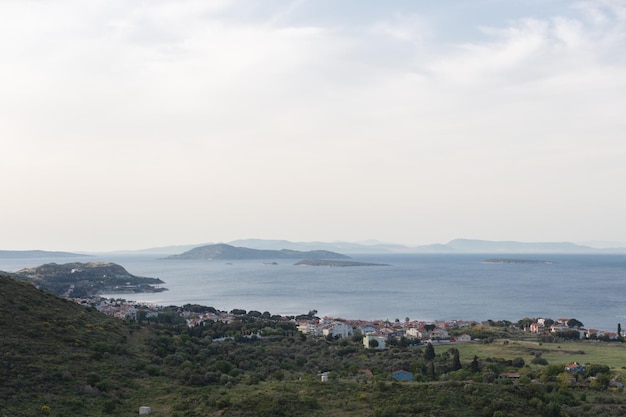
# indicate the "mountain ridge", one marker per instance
pixel 6 254
pixel 225 251
pixel 459 246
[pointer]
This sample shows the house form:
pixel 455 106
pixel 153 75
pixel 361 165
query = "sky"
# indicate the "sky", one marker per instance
pixel 129 124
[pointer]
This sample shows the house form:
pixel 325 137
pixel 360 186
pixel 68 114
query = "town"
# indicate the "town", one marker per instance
pixel 377 334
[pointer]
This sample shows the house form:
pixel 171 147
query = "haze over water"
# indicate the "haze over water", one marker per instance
pixel 428 287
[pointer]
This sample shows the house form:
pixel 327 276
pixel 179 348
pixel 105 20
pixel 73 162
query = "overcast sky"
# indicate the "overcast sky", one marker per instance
pixel 128 124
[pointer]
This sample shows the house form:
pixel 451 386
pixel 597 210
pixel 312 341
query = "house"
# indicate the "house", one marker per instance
pixel 367 328
pixel 536 328
pixel 575 367
pixel 510 375
pixel 338 329
pixel 439 334
pixel 372 341
pixel 402 375
pixel 464 338
pixel 309 328
pixel 414 333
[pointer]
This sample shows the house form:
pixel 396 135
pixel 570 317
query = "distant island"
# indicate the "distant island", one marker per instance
pixel 86 279
pixel 334 263
pixel 10 254
pixel 224 251
pixel 515 261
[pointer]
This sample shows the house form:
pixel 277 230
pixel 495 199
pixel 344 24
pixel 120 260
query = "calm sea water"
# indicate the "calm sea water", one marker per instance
pixel 590 288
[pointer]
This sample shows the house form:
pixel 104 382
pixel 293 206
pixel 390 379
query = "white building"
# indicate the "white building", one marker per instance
pixel 464 338
pixel 338 329
pixel 414 333
pixel 310 328
pixel 439 334
pixel 368 338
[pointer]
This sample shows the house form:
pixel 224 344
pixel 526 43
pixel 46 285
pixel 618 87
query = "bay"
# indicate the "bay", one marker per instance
pixel 589 288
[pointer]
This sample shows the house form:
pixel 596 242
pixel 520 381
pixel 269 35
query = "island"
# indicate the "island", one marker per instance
pixel 334 263
pixel 224 251
pixel 78 279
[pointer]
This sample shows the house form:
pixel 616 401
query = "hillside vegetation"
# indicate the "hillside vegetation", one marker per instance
pixel 61 359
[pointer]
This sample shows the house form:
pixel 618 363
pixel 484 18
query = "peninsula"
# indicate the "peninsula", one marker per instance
pixel 86 279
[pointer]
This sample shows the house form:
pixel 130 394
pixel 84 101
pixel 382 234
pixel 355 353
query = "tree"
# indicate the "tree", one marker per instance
pixel 475 365
pixel 456 360
pixel 574 323
pixel 429 352
pixel 619 330
pixel 429 327
pixel 373 344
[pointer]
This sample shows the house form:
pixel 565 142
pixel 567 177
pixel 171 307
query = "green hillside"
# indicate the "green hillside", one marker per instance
pixel 51 353
pixel 58 358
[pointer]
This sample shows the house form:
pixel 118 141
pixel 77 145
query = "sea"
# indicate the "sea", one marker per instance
pixel 590 288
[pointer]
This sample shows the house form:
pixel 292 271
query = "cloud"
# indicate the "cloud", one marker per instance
pixel 218 104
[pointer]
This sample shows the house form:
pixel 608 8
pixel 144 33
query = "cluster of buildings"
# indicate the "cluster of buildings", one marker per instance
pixel 377 333
pixel 119 309
pixel 546 326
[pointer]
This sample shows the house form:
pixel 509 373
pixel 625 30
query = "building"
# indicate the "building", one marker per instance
pixel 338 329
pixel 575 367
pixel 464 338
pixel 372 341
pixel 402 375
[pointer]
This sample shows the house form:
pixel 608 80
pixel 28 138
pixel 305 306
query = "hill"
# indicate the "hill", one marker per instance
pixel 51 353
pixel 59 358
pixel 224 251
pixel 86 279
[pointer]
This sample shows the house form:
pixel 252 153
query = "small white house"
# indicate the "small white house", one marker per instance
pixel 464 338
pixel 380 341
pixel 438 334
pixel 144 410
pixel 338 329
pixel 414 333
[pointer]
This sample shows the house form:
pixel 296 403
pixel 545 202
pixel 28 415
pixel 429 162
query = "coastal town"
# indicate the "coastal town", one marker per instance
pixel 376 334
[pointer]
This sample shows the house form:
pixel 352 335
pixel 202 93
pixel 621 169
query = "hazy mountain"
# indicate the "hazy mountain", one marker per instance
pixel 488 246
pixel 454 246
pixel 343 247
pixel 8 254
pixel 368 247
pixel 157 251
pixel 224 251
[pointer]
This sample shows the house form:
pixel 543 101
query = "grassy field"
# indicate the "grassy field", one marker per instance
pixel 610 354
